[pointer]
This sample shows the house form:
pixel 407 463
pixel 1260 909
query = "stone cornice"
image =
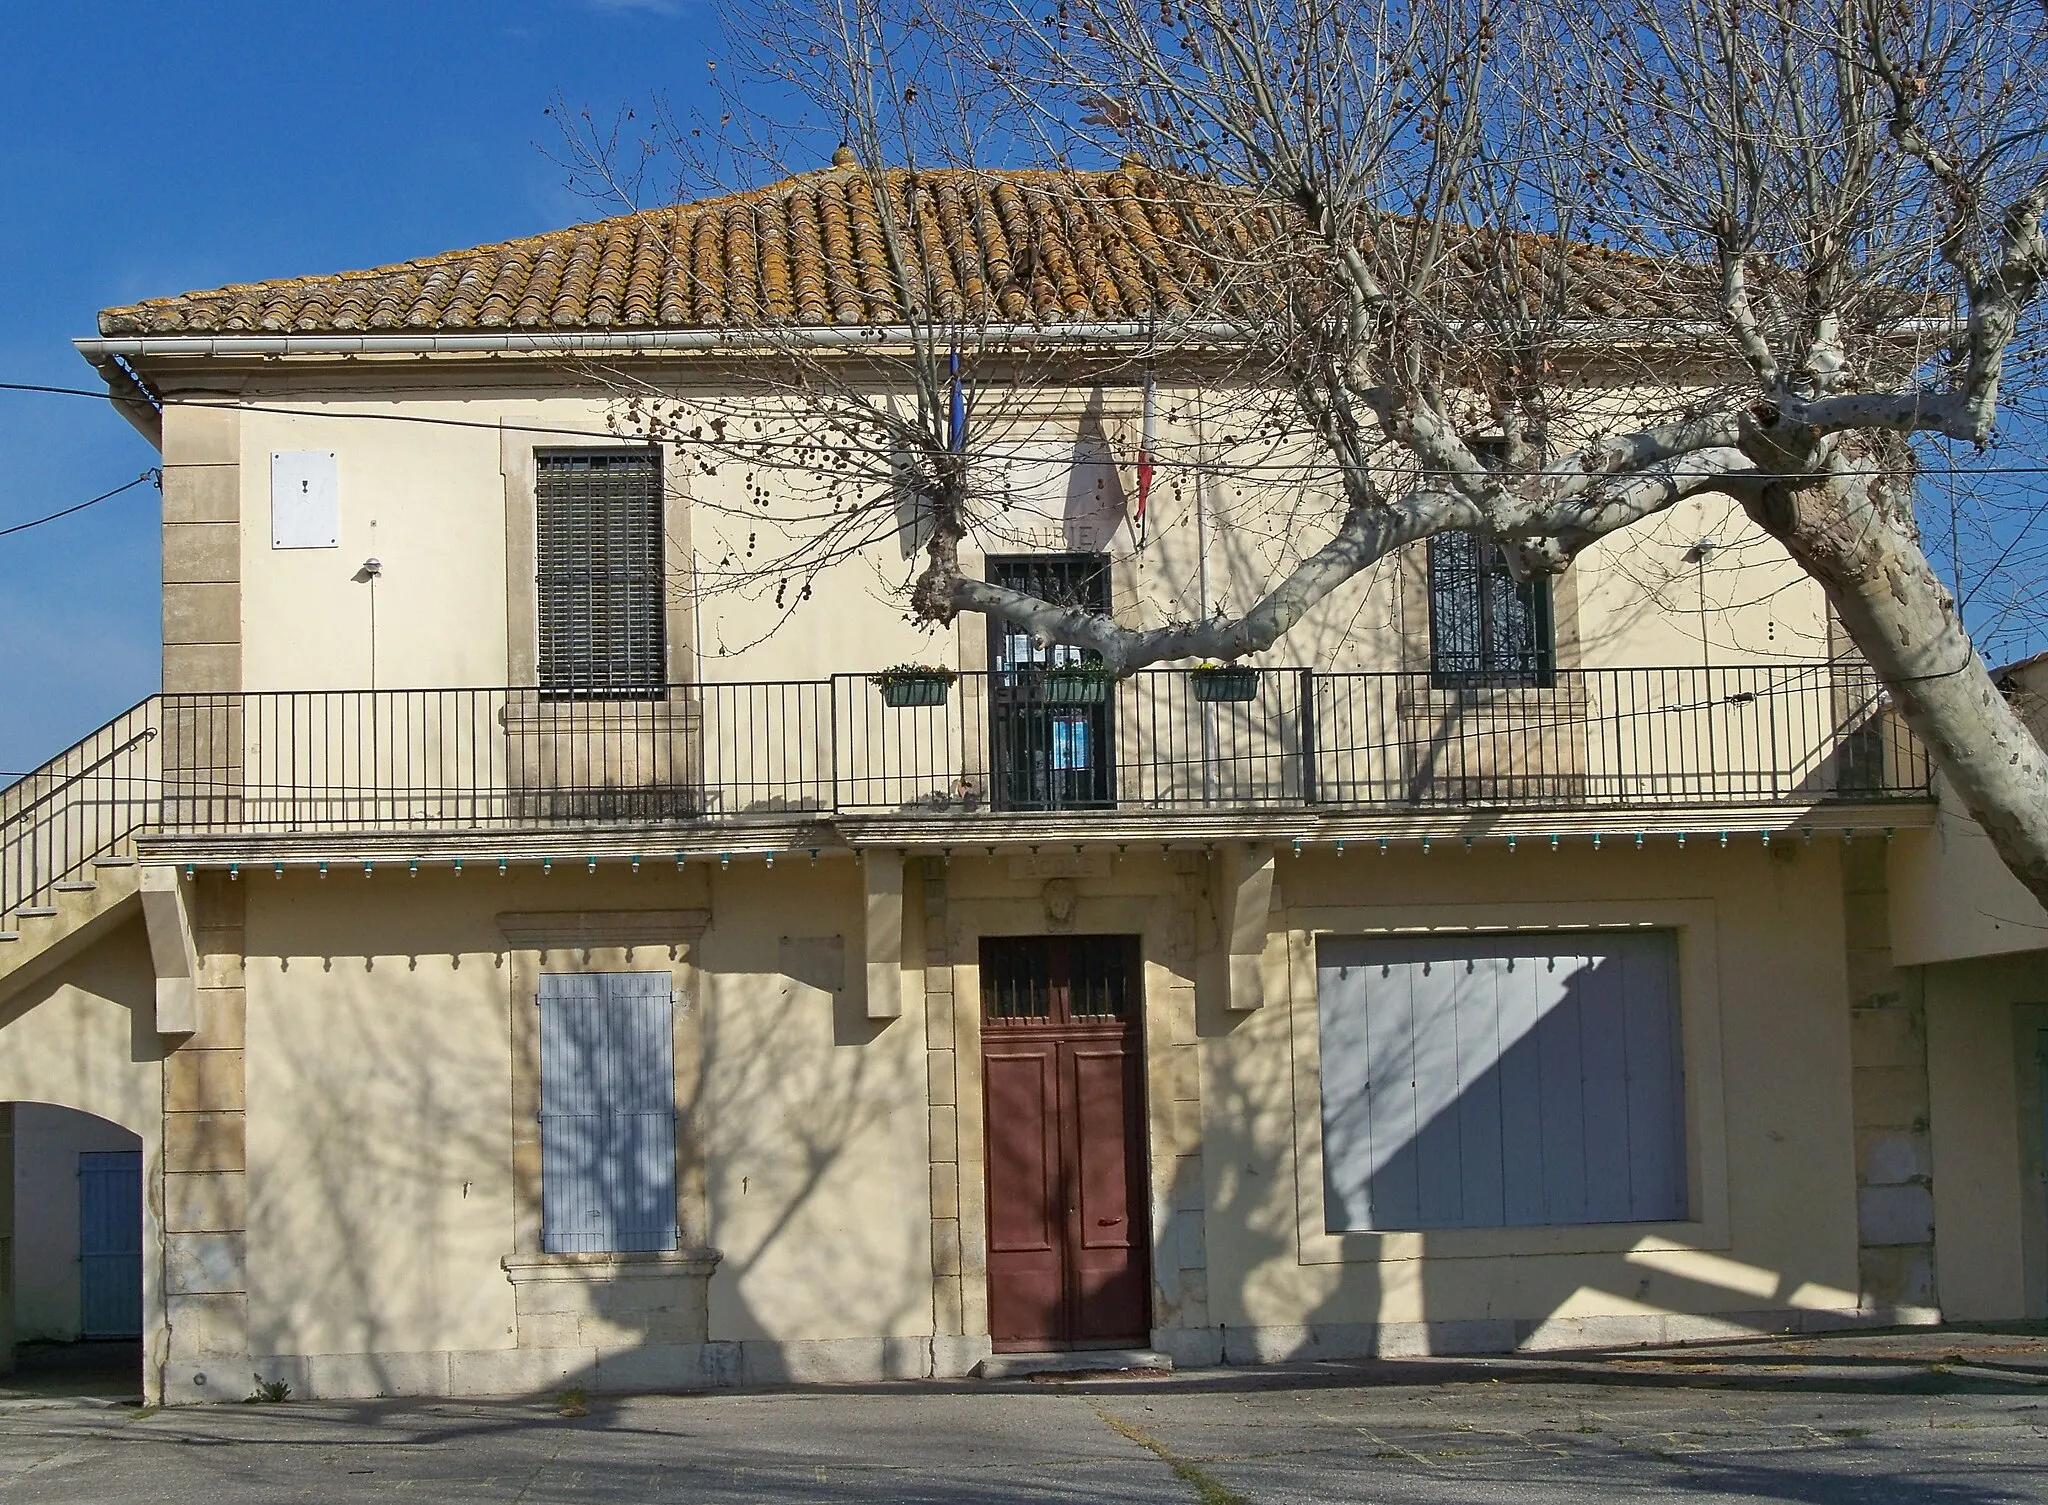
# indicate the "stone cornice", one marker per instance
pixel 578 929
pixel 654 847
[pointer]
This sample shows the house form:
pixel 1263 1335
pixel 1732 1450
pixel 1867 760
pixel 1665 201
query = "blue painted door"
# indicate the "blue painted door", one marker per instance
pixel 110 1244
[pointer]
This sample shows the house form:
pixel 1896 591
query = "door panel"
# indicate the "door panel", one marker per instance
pixel 1062 1061
pixel 110 1244
pixel 1097 1075
pixel 1108 1262
pixel 1025 1217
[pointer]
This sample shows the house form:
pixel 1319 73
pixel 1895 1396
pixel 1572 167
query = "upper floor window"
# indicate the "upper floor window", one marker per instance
pixel 1485 626
pixel 598 545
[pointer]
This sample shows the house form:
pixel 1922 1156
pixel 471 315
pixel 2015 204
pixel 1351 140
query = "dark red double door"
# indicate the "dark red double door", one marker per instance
pixel 1063 1086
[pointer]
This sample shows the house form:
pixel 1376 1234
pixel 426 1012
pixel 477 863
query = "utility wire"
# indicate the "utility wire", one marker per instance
pixel 37 522
pixel 739 450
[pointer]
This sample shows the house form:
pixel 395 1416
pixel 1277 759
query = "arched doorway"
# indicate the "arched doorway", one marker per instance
pixel 73 1250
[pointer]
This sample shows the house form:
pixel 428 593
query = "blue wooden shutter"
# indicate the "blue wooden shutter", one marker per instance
pixel 110 1244
pixel 1501 1081
pixel 607 1113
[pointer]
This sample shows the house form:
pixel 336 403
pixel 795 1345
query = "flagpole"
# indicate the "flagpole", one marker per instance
pixel 1145 441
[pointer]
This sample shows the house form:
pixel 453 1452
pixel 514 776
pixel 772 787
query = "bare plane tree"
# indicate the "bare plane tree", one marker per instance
pixel 1837 204
pixel 1645 250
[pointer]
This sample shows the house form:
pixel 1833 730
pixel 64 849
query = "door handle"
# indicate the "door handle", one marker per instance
pixel 1107 1222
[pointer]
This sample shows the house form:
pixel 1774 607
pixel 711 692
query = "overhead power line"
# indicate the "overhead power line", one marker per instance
pixel 740 448
pixel 37 522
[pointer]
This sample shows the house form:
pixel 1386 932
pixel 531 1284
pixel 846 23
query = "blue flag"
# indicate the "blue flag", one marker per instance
pixel 956 419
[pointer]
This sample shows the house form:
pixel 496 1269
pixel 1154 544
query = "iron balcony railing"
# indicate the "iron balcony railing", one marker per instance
pixel 445 760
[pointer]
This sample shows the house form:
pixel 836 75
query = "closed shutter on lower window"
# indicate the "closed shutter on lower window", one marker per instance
pixel 607 1113
pixel 1501 1081
pixel 599 541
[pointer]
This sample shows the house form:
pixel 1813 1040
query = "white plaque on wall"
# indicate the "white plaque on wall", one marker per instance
pixel 305 500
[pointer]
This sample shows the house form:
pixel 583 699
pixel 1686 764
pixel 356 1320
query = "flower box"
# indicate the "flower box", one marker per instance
pixel 1225 682
pixel 913 685
pixel 1074 687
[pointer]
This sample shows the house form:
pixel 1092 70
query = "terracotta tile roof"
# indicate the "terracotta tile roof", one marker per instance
pixel 1034 246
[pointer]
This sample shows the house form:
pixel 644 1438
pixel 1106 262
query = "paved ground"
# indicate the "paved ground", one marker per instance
pixel 1947 1418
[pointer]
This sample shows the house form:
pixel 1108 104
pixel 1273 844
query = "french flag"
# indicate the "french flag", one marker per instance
pixel 1145 457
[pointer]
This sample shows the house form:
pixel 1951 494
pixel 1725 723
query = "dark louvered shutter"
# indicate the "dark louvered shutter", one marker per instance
pixel 599 542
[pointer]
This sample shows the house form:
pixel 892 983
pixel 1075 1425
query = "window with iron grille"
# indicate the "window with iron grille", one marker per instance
pixel 1486 628
pixel 1048 753
pixel 599 542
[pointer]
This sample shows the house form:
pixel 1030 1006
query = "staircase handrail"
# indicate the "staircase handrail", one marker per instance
pixel 147 734
pixel 57 830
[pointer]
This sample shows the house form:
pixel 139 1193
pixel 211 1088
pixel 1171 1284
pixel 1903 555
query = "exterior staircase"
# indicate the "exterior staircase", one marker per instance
pixel 68 871
pixel 42 936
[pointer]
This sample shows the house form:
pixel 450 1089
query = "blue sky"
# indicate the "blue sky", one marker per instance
pixel 148 149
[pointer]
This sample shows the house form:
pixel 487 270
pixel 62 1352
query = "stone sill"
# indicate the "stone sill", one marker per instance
pixel 590 1269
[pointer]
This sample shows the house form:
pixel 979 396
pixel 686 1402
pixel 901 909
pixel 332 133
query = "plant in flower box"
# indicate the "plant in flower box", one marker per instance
pixel 1215 682
pixel 914 684
pixel 1075 684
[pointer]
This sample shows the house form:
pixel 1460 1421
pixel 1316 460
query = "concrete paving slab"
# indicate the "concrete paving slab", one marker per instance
pixel 1934 1419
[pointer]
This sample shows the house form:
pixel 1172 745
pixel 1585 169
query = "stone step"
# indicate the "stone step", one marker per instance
pixel 35 912
pixel 76 887
pixel 113 862
pixel 9 935
pixel 1011 1366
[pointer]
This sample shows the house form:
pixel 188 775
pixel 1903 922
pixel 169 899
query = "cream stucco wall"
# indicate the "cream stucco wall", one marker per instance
pixel 83 1038
pixel 47 1144
pixel 428 503
pixel 379 1081
pixel 428 499
pixel 815 1121
pixel 381 1058
pixel 1984 1019
pixel 1772 1136
pixel 382 1195
pixel 1952 898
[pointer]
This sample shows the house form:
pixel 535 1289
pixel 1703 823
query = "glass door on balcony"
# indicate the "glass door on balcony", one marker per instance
pixel 1049 734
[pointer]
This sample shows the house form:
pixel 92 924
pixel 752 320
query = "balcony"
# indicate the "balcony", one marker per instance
pixel 1015 751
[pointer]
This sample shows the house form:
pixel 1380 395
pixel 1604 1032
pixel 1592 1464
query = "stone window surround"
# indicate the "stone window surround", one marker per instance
pixel 1706 1147
pixel 517 449
pixel 570 942
pixel 1418 651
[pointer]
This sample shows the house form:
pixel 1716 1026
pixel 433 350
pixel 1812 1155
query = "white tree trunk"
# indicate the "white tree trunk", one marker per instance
pixel 1899 614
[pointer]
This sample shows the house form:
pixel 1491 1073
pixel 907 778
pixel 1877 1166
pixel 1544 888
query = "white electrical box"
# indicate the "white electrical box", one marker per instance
pixel 305 500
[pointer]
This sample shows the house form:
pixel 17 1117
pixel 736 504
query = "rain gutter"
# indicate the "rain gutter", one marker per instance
pixel 630 342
